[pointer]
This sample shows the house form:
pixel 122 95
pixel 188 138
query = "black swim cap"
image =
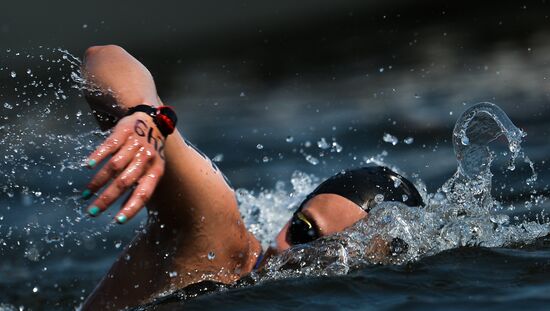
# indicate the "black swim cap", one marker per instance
pixel 362 185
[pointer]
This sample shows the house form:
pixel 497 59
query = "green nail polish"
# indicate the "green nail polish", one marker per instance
pixel 94 210
pixel 92 163
pixel 86 194
pixel 121 218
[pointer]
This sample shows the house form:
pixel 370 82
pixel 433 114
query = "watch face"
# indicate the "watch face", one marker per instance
pixel 166 120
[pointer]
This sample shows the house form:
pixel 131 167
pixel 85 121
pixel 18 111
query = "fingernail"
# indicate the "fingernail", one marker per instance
pixel 94 210
pixel 92 163
pixel 121 218
pixel 86 194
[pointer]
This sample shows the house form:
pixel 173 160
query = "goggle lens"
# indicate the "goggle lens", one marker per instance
pixel 302 230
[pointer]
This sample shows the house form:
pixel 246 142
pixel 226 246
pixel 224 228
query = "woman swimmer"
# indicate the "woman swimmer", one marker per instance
pixel 186 222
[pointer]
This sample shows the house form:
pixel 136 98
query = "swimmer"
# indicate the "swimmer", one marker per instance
pixel 194 230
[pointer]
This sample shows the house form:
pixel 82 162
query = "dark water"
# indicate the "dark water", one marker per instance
pixel 460 279
pixel 51 256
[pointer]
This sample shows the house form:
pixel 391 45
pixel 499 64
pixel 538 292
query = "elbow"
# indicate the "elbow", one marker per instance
pixel 102 51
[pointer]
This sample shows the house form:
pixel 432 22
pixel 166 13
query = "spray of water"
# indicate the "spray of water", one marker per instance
pixel 461 213
pixel 44 136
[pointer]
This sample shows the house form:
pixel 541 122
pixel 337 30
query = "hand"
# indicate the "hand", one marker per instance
pixel 380 251
pixel 136 148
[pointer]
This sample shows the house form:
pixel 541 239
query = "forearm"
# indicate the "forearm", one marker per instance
pixel 116 81
pixel 124 82
pixel 192 195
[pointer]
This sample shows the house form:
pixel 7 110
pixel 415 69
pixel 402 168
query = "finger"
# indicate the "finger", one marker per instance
pixel 141 195
pixel 116 164
pixel 120 185
pixel 108 147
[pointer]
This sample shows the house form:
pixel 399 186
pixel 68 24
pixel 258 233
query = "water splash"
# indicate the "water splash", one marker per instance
pixel 41 162
pixel 265 212
pixel 469 190
pixel 461 213
pixel 458 215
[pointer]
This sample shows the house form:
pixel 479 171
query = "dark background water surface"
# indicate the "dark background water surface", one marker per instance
pixel 243 73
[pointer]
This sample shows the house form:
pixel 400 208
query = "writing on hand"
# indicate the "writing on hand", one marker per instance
pixel 136 151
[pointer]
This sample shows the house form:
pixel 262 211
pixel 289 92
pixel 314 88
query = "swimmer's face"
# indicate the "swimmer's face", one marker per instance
pixel 326 214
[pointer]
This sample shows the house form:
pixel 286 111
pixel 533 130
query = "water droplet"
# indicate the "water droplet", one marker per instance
pixel 405 197
pixel 408 140
pixel 464 140
pixel 35 289
pixel 289 139
pixel 218 157
pixel 8 106
pixel 323 143
pixel 259 146
pixel 13 74
pixel 312 160
pixel 32 253
pixel 514 147
pixel 265 159
pixel 381 69
pixel 397 183
pixel 173 274
pixel 500 219
pixel 336 147
pixel 211 255
pixel 379 198
pixel 390 139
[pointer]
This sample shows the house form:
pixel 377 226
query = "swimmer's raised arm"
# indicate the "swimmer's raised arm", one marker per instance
pixel 115 82
pixel 194 225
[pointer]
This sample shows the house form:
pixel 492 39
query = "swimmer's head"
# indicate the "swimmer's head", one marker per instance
pixel 368 186
pixel 342 200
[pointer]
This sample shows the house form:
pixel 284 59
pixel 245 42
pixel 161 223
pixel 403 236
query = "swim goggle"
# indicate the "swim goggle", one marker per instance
pixel 302 230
